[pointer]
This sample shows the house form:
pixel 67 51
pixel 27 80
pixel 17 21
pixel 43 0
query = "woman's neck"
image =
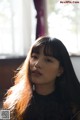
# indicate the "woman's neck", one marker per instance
pixel 44 89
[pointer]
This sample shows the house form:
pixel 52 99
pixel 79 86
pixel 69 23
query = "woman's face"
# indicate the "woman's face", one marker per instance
pixel 44 69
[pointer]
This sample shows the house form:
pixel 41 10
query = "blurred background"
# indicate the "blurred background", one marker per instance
pixel 22 21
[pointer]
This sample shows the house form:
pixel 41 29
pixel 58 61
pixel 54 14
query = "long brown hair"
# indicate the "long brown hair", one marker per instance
pixel 18 96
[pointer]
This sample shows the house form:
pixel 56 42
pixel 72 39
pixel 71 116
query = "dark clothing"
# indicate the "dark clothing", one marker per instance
pixel 49 107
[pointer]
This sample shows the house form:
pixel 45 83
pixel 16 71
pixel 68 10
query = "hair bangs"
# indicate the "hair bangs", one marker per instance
pixel 49 49
pixel 36 49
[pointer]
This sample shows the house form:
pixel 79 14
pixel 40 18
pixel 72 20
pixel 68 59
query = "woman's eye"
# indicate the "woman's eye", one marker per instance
pixel 34 56
pixel 48 60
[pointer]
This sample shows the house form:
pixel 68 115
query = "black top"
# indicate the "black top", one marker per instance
pixel 47 107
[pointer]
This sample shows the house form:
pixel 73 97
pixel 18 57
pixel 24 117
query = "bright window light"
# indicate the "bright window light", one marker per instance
pixel 15 27
pixel 64 23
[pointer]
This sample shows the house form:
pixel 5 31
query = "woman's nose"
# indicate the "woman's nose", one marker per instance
pixel 38 64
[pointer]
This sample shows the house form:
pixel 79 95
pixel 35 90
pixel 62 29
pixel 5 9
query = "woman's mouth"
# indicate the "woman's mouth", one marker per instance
pixel 36 73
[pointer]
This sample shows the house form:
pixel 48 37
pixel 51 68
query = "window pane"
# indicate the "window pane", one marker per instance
pixel 64 23
pixel 5 27
pixel 15 27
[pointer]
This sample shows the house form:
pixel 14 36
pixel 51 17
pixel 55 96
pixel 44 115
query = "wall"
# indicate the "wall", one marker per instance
pixel 7 71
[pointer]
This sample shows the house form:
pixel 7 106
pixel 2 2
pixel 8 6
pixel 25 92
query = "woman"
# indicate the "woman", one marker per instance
pixel 46 87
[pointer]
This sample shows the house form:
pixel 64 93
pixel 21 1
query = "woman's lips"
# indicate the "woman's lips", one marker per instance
pixel 36 73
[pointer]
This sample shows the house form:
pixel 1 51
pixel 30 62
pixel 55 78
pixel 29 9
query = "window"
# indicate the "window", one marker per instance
pixel 16 29
pixel 64 23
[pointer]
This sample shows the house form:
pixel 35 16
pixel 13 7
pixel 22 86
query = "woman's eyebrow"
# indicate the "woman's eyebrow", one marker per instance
pixel 50 56
pixel 35 52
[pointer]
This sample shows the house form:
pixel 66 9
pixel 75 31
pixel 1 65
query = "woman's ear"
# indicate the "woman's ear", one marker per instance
pixel 60 71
